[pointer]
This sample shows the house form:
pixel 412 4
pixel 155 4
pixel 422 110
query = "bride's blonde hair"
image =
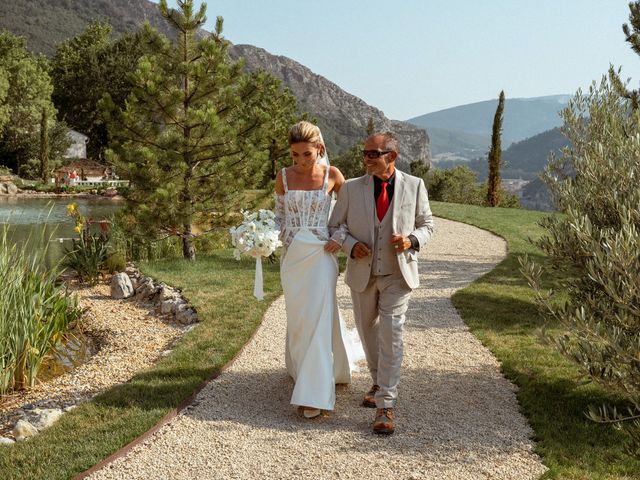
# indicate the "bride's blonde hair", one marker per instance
pixel 304 131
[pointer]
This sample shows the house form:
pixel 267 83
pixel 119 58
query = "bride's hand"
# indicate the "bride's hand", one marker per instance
pixel 332 246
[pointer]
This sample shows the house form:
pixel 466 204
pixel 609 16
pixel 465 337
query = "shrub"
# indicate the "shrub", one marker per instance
pixel 455 185
pixel 595 245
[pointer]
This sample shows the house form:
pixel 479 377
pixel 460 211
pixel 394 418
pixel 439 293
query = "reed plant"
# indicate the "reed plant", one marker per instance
pixel 35 311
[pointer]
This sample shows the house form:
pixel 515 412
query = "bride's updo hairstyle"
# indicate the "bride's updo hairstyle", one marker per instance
pixel 304 131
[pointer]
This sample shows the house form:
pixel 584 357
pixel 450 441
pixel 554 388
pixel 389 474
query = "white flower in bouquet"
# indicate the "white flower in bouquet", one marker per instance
pixel 256 236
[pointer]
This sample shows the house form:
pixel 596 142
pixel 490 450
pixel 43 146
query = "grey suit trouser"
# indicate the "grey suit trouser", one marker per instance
pixel 380 314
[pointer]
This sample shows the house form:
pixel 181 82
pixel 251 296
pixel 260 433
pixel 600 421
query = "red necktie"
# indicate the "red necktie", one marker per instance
pixel 382 204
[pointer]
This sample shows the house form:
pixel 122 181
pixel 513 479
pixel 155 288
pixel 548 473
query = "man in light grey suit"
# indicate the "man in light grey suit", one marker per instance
pixel 385 219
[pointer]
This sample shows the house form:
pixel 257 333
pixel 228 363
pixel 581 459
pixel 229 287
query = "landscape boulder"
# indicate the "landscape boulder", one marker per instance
pixel 121 286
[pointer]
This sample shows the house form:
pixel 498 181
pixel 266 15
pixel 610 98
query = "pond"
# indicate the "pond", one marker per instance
pixel 35 219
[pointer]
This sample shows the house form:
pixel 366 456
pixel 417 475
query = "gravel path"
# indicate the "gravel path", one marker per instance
pixel 457 416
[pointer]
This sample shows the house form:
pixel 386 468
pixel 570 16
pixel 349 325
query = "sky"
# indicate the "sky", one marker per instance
pixel 411 57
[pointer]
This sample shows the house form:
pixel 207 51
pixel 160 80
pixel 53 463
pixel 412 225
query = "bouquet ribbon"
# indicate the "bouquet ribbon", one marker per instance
pixel 257 284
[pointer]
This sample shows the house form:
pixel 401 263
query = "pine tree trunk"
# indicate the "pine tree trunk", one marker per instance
pixel 188 250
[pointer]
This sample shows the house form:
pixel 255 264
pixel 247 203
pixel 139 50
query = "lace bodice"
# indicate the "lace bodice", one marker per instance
pixel 309 209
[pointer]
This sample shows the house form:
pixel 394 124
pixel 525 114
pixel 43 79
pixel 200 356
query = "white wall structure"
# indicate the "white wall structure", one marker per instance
pixel 78 147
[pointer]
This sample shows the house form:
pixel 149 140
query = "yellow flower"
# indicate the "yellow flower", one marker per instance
pixel 78 228
pixel 71 208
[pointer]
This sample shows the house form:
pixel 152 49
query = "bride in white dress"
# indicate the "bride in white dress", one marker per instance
pixel 319 351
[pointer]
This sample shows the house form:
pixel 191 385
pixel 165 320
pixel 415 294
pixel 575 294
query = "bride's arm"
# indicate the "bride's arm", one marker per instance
pixel 279 206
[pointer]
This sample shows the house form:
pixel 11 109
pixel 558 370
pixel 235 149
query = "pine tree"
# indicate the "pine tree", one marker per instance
pixel 191 137
pixel 371 127
pixel 495 156
pixel 44 147
pixel 632 35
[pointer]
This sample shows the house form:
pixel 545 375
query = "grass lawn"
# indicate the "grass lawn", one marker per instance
pixel 498 307
pixel 221 289
pixel 553 395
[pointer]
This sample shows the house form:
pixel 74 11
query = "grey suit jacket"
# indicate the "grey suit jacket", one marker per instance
pixel 354 212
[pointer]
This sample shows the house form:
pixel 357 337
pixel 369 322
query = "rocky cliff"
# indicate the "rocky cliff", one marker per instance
pixel 343 117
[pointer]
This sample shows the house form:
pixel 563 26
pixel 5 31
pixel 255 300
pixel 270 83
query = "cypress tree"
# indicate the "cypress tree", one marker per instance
pixel 44 146
pixel 495 156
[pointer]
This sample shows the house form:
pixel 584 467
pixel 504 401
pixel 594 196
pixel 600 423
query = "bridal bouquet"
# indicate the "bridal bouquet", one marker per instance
pixel 256 236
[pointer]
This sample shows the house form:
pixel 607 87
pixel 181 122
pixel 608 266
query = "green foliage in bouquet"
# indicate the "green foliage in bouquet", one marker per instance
pixel 596 245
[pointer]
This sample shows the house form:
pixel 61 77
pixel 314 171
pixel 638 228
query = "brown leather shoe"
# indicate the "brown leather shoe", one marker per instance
pixel 369 399
pixel 383 424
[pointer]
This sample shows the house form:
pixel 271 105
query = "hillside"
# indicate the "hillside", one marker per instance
pixel 524 160
pixel 342 116
pixel 523 117
pixel 46 23
pixel 455 144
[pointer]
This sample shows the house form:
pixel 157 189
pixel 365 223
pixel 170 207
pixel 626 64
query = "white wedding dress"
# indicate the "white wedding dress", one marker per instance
pixel 319 350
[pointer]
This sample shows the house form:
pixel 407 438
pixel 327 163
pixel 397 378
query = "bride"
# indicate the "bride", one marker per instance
pixel 316 356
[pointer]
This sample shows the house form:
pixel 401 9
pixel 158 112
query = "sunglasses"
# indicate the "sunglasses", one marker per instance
pixel 373 154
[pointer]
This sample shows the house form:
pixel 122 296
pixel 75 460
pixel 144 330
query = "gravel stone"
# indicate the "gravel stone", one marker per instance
pixel 457 416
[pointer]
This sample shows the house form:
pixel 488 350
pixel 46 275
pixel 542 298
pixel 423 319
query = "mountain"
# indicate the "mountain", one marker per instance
pixel 456 145
pixel 526 159
pixel 45 23
pixel 523 118
pixel 342 116
pixel 530 156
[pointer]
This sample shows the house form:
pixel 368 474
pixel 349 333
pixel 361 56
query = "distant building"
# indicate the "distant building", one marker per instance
pixel 78 147
pixel 92 171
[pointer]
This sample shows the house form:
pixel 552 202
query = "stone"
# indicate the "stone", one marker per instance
pixel 6 441
pixel 47 417
pixel 121 286
pixel 186 316
pixel 169 306
pixel 23 430
pixel 167 292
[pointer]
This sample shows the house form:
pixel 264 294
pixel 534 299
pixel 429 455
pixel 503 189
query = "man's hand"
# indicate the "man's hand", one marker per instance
pixel 360 250
pixel 400 243
pixel 332 246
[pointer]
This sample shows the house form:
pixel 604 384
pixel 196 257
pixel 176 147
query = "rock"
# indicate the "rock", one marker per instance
pixel 47 418
pixel 8 188
pixel 6 441
pixel 146 289
pixel 167 292
pixel 186 315
pixel 23 430
pixel 169 306
pixel 121 286
pixel 70 407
